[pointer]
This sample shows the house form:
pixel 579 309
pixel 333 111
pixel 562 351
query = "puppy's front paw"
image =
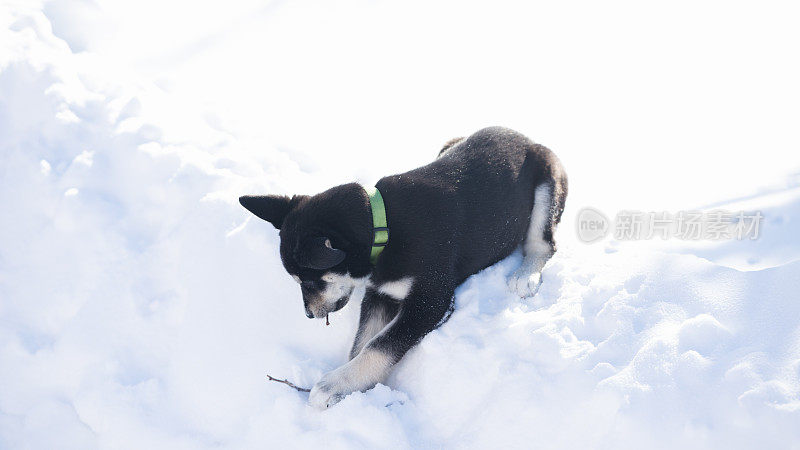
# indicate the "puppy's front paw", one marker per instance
pixel 525 283
pixel 328 391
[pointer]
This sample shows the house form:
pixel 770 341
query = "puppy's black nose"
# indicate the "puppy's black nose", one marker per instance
pixel 309 315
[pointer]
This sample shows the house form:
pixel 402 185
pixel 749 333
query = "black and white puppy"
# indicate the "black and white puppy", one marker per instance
pixel 482 198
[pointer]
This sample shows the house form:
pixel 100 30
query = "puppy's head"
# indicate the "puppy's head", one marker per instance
pixel 312 251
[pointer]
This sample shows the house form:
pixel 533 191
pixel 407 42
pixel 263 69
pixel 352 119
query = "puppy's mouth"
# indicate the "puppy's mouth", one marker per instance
pixel 323 312
pixel 340 303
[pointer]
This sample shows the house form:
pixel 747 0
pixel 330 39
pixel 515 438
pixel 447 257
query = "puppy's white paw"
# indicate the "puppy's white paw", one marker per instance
pixel 328 391
pixel 370 366
pixel 524 282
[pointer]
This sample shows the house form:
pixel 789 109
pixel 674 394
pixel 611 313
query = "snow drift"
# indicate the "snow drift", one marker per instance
pixel 140 307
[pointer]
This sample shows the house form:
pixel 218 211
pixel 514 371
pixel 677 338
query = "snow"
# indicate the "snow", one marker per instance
pixel 142 307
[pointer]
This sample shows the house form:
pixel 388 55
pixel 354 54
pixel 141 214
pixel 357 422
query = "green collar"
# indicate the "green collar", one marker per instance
pixel 380 230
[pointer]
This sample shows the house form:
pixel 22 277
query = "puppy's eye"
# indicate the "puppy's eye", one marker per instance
pixel 328 278
pixel 296 278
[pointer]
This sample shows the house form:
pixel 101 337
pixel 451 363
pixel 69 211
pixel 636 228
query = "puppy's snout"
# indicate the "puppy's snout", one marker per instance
pixel 312 300
pixel 312 307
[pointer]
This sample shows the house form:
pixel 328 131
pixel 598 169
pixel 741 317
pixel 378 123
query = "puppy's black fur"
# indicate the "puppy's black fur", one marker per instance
pixel 465 211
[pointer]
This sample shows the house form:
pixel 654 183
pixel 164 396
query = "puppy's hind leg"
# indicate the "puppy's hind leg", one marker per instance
pixel 539 244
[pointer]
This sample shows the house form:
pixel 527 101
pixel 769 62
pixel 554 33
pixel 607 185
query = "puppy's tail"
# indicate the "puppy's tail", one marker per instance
pixel 448 145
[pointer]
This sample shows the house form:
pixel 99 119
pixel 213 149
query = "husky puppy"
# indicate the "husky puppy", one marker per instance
pixel 483 197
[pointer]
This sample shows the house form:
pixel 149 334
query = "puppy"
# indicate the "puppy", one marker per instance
pixel 413 240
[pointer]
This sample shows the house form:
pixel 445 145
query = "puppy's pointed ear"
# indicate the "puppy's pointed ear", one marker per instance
pixel 272 208
pixel 317 253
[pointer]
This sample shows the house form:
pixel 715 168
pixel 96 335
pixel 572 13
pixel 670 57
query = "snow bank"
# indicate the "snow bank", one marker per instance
pixel 140 307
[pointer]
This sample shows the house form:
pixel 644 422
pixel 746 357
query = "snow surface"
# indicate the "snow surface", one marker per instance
pixel 142 307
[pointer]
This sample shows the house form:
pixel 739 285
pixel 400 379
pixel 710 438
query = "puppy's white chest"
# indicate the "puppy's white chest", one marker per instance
pixel 398 289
